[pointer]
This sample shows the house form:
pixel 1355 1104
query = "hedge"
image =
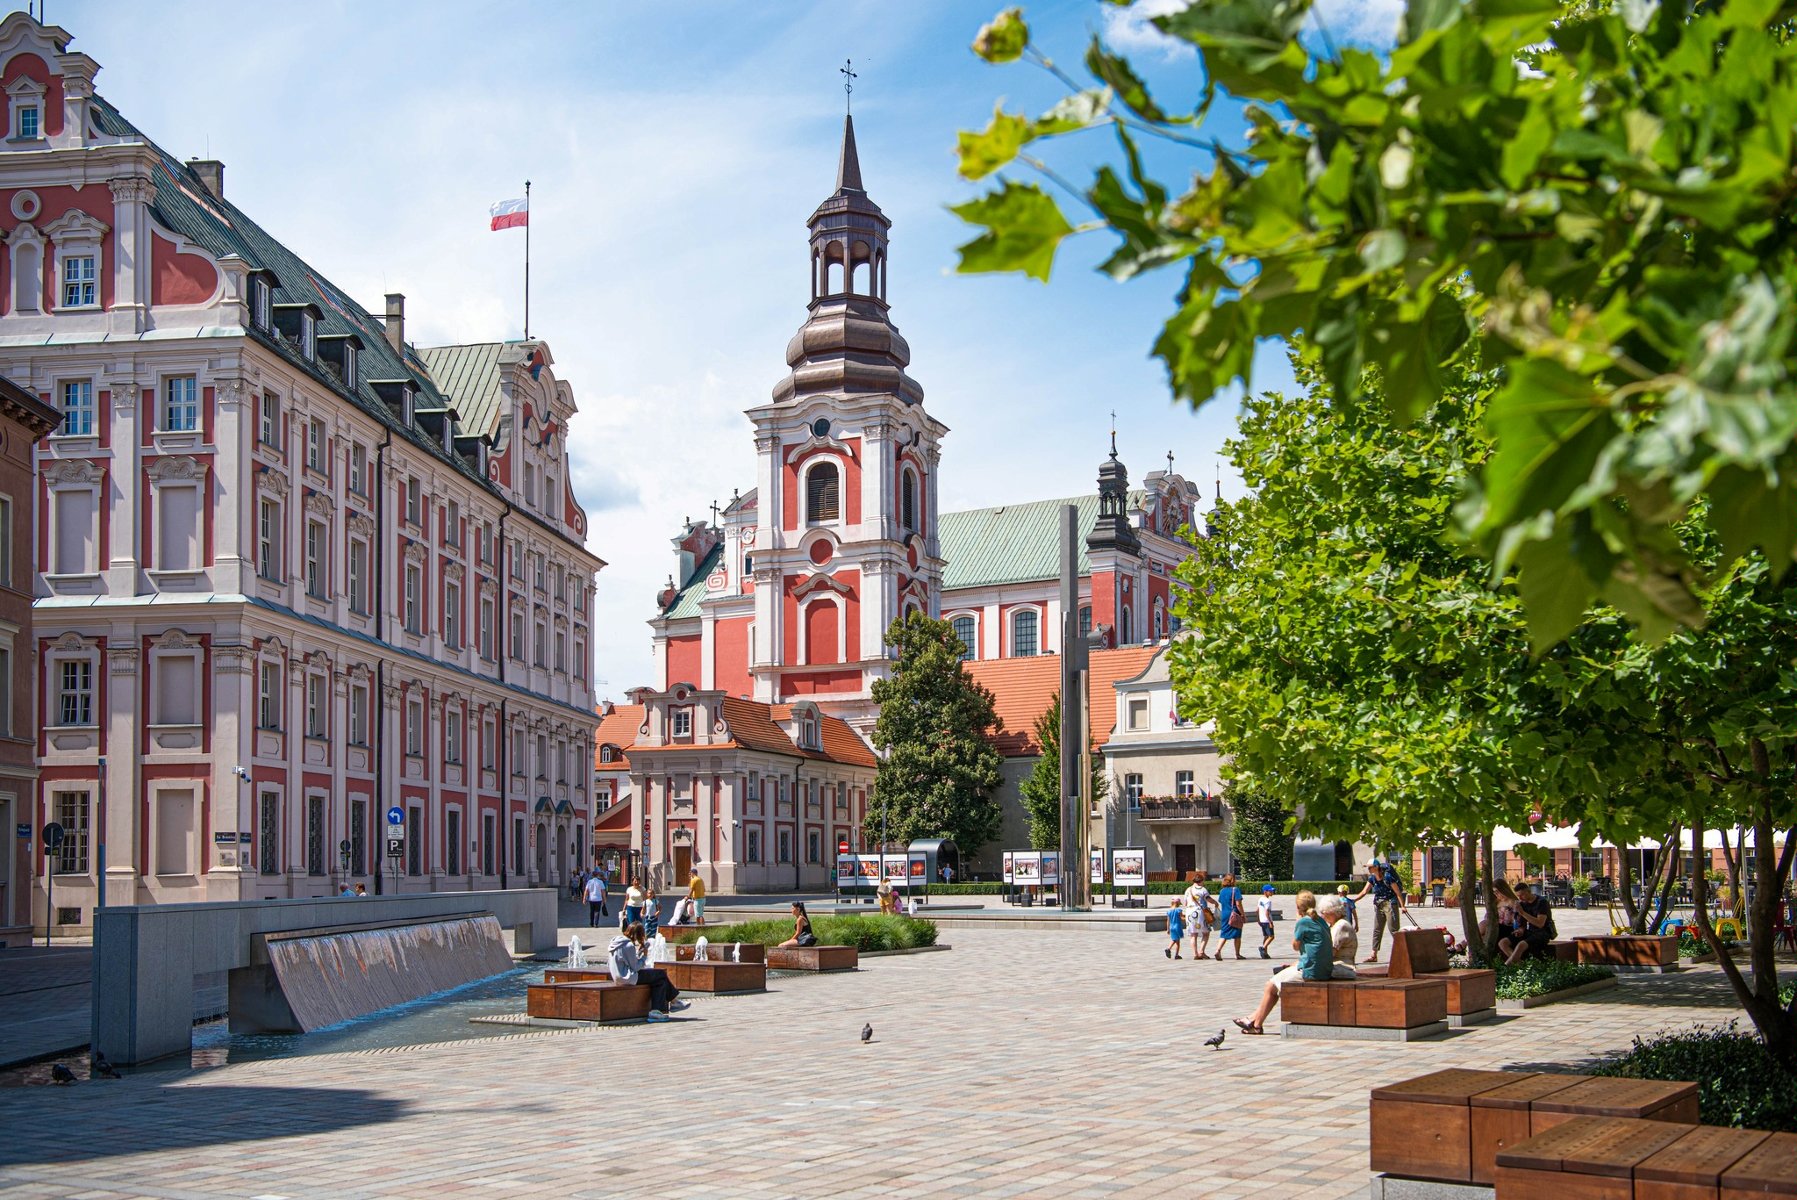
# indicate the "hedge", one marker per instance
pixel 1738 1082
pixel 864 931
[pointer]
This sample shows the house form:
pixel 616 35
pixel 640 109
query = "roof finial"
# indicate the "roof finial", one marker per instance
pixel 847 71
pixel 1169 462
pixel 714 512
pixel 1113 435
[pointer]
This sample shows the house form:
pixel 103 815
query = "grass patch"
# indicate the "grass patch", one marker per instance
pixel 870 931
pixel 1738 1082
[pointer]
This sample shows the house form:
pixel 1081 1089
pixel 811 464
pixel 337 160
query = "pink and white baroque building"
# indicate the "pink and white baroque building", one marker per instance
pixel 293 571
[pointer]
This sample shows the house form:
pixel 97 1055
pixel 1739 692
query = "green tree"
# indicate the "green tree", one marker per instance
pixel 1590 200
pixel 938 767
pixel 1041 788
pixel 1260 836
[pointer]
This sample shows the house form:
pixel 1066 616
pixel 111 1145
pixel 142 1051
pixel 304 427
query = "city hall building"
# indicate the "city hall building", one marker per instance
pixel 292 570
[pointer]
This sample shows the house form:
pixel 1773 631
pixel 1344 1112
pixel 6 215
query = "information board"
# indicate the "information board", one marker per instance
pixel 1129 868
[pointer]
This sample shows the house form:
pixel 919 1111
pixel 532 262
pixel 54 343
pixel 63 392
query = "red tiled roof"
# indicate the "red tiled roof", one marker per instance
pixel 841 743
pixel 618 728
pixel 1023 688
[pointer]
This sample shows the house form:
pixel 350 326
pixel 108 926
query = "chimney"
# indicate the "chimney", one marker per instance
pixel 396 322
pixel 211 173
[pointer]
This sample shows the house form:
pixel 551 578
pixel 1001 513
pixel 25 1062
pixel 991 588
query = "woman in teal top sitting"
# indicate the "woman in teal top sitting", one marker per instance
pixel 1316 960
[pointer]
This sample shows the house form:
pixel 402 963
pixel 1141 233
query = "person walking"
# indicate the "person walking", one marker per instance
pixel 1352 910
pixel 1229 917
pixel 695 892
pixel 632 909
pixel 1382 884
pixel 628 955
pixel 595 895
pixel 1201 919
pixel 1176 927
pixel 1316 961
pixel 1263 916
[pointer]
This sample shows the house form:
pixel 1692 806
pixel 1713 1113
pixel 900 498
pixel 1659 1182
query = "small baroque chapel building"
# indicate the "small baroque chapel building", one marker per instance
pixel 777 612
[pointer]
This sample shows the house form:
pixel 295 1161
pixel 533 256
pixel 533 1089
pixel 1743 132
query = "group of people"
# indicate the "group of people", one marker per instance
pixel 1326 942
pixel 640 902
pixel 1198 914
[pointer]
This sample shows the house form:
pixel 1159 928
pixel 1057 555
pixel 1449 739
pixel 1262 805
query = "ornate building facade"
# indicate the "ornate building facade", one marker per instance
pixel 293 571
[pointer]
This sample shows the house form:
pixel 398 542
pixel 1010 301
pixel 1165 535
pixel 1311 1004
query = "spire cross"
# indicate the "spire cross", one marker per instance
pixel 1113 433
pixel 846 70
pixel 714 512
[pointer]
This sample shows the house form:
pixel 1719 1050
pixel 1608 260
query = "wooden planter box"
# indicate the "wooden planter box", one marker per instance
pixel 746 952
pixel 812 958
pixel 1628 950
pixel 595 1001
pixel 717 977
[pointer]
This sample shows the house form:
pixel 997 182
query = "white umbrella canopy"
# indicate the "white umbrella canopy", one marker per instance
pixel 1566 837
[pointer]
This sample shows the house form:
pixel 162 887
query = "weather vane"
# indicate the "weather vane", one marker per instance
pixel 848 84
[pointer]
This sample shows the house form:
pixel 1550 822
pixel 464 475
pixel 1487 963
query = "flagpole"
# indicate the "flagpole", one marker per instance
pixel 527 260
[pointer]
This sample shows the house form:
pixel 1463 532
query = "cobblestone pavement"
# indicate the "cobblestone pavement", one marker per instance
pixel 43 1000
pixel 1021 1063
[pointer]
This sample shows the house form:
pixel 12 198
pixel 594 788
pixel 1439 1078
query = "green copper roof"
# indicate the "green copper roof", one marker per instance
pixel 469 375
pixel 1013 543
pixel 686 600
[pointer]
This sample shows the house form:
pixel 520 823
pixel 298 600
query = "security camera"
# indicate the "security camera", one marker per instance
pixel 242 773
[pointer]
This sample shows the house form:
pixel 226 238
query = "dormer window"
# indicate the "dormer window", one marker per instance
pixel 308 337
pixel 680 722
pixel 349 369
pixel 27 122
pixel 262 297
pixel 808 733
pixel 26 98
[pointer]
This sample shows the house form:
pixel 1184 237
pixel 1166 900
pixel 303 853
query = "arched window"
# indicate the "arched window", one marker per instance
pixel 1023 633
pixel 1126 626
pixel 823 493
pixel 1160 621
pixel 964 629
pixel 1085 620
pixel 908 499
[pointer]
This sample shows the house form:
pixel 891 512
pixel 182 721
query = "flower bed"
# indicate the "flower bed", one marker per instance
pixel 868 932
pixel 1535 977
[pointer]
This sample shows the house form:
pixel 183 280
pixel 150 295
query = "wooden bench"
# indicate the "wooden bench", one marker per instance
pixel 599 1000
pixel 742 952
pixel 576 975
pixel 1449 1126
pixel 1398 1010
pixel 1630 951
pixel 1420 953
pixel 812 958
pixel 1616 1158
pixel 717 978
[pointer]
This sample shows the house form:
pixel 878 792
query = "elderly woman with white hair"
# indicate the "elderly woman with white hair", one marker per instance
pixel 1342 936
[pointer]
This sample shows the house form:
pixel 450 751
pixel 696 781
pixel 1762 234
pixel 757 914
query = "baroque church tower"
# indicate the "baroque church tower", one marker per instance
pixel 845 527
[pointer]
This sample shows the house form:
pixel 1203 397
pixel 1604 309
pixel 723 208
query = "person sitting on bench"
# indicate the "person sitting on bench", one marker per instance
pixel 1344 941
pixel 1316 961
pixel 629 956
pixel 801 928
pixel 1534 929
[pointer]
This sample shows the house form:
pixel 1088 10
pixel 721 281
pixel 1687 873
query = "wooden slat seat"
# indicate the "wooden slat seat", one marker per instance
pixel 1628 950
pixel 599 1000
pixel 717 978
pixel 1584 1158
pixel 1416 953
pixel 1692 1167
pixel 744 952
pixel 812 958
pixel 1404 1005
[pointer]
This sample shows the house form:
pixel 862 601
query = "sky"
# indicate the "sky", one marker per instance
pixel 675 150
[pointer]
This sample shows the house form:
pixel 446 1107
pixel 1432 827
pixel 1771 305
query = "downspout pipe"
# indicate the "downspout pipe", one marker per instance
pixel 380 664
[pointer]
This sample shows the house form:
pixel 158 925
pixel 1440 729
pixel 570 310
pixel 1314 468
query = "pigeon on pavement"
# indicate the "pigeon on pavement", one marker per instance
pixel 867 1033
pixel 62 1074
pixel 1216 1043
pixel 100 1066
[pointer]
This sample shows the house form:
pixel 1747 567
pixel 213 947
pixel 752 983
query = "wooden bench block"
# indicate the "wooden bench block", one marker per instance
pixel 1583 1157
pixel 548 1000
pixel 1691 1168
pixel 1648 1099
pixel 1470 990
pixel 1628 950
pixel 717 977
pixel 1422 1128
pixel 742 952
pixel 1305 1003
pixel 1567 951
pixel 1520 1183
pixel 576 975
pixel 1399 1003
pixel 1769 1169
pixel 1500 1117
pixel 608 1001
pixel 1417 952
pixel 812 958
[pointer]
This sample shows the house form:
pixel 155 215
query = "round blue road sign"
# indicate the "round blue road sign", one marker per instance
pixel 396 815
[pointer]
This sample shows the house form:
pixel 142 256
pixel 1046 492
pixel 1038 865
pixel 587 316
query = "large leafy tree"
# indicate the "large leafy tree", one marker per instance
pixel 1593 201
pixel 1041 788
pixel 1260 832
pixel 938 767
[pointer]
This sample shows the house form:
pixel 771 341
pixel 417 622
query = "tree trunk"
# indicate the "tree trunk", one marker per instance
pixel 1665 877
pixel 1777 1025
pixel 1625 881
pixel 1469 882
pixel 1487 946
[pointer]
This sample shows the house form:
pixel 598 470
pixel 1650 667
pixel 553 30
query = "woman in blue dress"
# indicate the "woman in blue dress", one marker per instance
pixel 1229 917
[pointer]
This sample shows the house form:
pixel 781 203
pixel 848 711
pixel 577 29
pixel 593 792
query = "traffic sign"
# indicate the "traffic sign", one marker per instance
pixel 53 835
pixel 396 815
pixel 396 847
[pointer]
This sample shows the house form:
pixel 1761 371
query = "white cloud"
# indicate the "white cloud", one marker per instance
pixel 1128 29
pixel 1367 23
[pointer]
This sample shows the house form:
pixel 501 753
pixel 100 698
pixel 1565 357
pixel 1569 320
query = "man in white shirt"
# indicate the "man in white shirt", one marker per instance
pixel 595 897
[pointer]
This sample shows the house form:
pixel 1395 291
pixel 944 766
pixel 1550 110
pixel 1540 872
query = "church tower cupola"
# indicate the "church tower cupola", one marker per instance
pixel 1113 530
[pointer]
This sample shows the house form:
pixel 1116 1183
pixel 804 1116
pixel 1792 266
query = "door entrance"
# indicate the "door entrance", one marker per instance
pixel 683 866
pixel 1185 859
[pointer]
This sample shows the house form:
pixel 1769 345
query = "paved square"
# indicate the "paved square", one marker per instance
pixel 1021 1063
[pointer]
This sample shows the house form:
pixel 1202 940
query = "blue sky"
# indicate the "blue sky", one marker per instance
pixel 675 151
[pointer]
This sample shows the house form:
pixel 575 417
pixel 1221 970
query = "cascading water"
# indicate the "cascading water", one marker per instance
pixel 332 977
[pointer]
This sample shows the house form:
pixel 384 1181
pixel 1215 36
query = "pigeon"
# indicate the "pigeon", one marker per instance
pixel 1215 1043
pixel 62 1074
pixel 99 1066
pixel 867 1033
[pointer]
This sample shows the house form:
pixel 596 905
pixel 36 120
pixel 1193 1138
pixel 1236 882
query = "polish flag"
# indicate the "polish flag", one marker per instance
pixel 509 214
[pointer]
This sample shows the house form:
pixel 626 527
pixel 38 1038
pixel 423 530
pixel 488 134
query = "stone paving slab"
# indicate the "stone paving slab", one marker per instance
pixel 1022 1063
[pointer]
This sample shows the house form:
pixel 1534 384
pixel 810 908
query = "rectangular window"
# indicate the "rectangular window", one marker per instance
pixel 268 697
pixel 78 407
pixel 561 652
pixel 317 706
pixel 308 336
pixel 80 281
pixel 752 848
pixel 75 544
pixel 487 837
pixel 358 576
pixel 580 659
pixel 181 404
pixel 518 752
pixel 785 844
pixel 414 726
pixel 486 543
pixel 75 692
pixel 1185 784
pixel 1132 792
pixel 1138 714
pixel 315 859
pixel 518 634
pixel 452 616
pixel 414 595
pixel 414 502
pixel 6 729
pixel 452 735
pixel 415 841
pixel 452 839
pixel 530 485
pixel 268 431
pixel 177 689
pixel 358 837
pixel 268 540
pixel 486 627
pixel 6 541
pixel 540 648
pixel 680 722
pixel 71 809
pixel 317 546
pixel 518 846
pixel 177 528
pixel 537 570
pixel 263 296
pixel 315 445
pixel 489 735
pixel 517 558
pixel 268 834
pixel 349 366
pixel 542 756
pixel 29 126
pixel 174 832
pixel 452 524
pixel 814 846
pixel 358 469
pixel 358 714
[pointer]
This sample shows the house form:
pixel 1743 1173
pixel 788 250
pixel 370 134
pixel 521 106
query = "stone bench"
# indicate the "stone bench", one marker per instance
pixel 1629 951
pixel 597 1000
pixel 1449 1126
pixel 1396 1010
pixel 1619 1158
pixel 741 952
pixel 717 978
pixel 813 958
pixel 1423 953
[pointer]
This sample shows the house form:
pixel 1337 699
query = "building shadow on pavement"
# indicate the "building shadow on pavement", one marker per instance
pixel 108 1119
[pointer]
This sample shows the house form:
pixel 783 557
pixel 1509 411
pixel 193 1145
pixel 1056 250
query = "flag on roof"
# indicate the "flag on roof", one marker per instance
pixel 509 214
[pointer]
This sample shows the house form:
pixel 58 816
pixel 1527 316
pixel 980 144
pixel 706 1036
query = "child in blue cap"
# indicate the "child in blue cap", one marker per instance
pixel 1264 914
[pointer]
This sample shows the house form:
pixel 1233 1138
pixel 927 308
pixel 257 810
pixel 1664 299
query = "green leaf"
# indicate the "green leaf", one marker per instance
pixel 1121 77
pixel 1002 39
pixel 1383 249
pixel 1024 226
pixel 1556 592
pixel 1550 426
pixel 985 152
